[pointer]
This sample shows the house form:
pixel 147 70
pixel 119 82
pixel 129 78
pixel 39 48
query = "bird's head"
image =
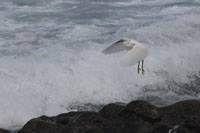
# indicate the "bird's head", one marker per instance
pixel 125 39
pixel 129 42
pixel 133 42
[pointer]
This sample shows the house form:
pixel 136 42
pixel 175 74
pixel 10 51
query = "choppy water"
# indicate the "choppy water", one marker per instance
pixel 51 60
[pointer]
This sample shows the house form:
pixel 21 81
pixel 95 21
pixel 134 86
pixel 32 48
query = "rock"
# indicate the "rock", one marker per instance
pixel 4 131
pixel 89 122
pixel 143 110
pixel 191 122
pixel 172 114
pixel 118 124
pixel 111 111
pixel 40 126
pixel 65 118
pixel 47 119
pixel 161 127
pixel 138 117
pixel 185 130
pixel 138 126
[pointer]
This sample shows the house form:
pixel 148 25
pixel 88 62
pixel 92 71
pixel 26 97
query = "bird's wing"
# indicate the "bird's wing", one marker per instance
pixel 116 47
pixel 132 57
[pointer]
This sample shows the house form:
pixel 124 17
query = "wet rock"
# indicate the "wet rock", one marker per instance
pixel 185 130
pixel 172 114
pixel 138 117
pixel 143 110
pixel 161 127
pixel 89 122
pixel 47 118
pixel 138 126
pixel 4 131
pixel 191 122
pixel 41 126
pixel 111 111
pixel 65 118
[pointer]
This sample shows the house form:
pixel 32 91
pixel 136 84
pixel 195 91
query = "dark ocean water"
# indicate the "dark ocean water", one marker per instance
pixel 51 58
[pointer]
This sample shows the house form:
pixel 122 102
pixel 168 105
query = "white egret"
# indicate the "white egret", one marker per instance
pixel 137 52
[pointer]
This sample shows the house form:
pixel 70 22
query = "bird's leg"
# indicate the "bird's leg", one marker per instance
pixel 138 70
pixel 142 66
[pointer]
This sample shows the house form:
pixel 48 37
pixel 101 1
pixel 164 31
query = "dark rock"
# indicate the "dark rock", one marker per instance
pixel 89 122
pixel 65 118
pixel 161 127
pixel 41 126
pixel 138 126
pixel 4 131
pixel 172 114
pixel 143 110
pixel 137 117
pixel 185 130
pixel 191 122
pixel 47 119
pixel 111 111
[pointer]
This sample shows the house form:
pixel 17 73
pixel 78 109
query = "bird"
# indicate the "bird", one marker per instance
pixel 137 52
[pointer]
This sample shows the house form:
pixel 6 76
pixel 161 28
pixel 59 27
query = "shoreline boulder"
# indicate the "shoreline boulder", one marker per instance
pixel 138 116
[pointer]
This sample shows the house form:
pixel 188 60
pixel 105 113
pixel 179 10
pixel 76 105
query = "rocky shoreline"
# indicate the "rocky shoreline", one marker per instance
pixel 136 117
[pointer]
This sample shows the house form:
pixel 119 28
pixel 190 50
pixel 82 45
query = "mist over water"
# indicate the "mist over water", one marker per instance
pixel 51 58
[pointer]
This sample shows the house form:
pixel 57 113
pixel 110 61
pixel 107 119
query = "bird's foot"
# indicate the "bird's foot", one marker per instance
pixel 139 69
pixel 143 71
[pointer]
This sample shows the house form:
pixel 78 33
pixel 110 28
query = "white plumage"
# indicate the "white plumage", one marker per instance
pixel 137 51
